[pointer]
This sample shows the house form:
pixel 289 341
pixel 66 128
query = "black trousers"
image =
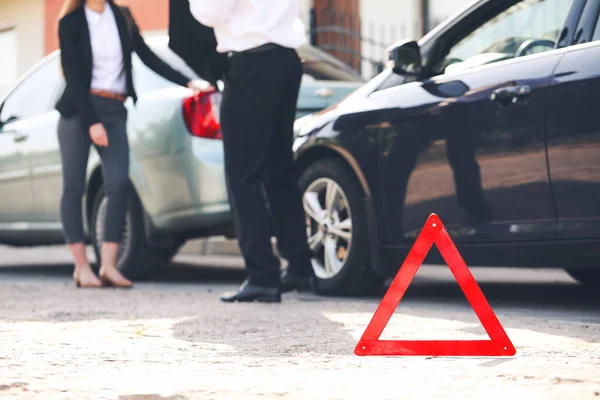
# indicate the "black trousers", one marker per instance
pixel 257 117
pixel 75 143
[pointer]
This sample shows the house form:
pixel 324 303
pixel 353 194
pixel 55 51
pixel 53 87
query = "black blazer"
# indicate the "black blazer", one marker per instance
pixel 76 60
pixel 195 43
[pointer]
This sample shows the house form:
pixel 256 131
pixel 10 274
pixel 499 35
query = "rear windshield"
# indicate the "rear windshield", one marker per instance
pixel 146 79
pixel 317 65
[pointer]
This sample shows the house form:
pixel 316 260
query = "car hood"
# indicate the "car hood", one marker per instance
pixel 357 101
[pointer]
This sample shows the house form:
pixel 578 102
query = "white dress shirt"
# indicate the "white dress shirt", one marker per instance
pixel 244 24
pixel 108 68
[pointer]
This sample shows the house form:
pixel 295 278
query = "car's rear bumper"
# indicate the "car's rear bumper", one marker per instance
pixel 184 190
pixel 198 219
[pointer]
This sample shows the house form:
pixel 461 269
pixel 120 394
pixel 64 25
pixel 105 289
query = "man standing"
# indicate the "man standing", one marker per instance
pixel 262 82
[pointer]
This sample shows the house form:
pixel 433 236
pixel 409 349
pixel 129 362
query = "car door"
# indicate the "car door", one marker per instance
pixel 16 195
pixel 28 147
pixel 574 132
pixel 469 143
pixel 44 151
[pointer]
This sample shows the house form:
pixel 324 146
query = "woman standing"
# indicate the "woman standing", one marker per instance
pixel 96 40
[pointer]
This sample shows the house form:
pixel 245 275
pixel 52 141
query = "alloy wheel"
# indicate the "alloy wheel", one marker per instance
pixel 328 225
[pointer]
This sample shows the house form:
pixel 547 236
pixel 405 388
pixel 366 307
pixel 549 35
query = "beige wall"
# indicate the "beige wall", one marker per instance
pixel 27 18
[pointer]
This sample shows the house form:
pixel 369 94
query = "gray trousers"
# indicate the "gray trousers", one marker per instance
pixel 75 142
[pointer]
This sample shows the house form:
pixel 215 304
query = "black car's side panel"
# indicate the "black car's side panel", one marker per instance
pixel 574 142
pixel 555 254
pixel 448 148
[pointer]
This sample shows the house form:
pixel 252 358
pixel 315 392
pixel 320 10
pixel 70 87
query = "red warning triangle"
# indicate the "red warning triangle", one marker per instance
pixel 434 232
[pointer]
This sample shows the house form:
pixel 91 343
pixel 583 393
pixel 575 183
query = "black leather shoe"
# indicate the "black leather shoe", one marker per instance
pixel 250 293
pixel 299 283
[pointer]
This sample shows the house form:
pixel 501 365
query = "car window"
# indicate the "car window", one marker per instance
pixel 528 27
pixel 597 31
pixel 8 66
pixel 35 95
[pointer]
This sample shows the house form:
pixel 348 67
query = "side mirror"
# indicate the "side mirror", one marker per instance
pixel 405 58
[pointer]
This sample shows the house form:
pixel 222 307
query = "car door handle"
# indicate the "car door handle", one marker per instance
pixel 511 93
pixel 20 137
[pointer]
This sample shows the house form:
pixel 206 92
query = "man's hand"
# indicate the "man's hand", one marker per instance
pixel 99 135
pixel 200 86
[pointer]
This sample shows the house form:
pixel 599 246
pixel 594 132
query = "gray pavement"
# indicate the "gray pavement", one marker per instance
pixel 170 338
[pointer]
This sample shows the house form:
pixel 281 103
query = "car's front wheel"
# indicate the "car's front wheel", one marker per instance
pixel 137 258
pixel 336 223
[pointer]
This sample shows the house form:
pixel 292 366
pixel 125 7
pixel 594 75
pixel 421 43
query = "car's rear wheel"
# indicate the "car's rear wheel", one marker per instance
pixel 137 258
pixel 585 277
pixel 336 224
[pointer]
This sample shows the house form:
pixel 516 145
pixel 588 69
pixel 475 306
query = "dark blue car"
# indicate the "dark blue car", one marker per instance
pixel 492 121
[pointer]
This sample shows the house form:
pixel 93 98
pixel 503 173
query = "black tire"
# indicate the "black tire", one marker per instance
pixel 587 278
pixel 137 259
pixel 170 252
pixel 356 276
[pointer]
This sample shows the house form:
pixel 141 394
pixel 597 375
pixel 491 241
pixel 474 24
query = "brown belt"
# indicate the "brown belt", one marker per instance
pixel 109 95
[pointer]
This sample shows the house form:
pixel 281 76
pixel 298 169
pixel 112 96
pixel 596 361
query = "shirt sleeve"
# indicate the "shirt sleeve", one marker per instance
pixel 212 12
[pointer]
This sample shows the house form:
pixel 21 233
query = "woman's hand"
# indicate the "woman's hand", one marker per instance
pixel 200 86
pixel 99 135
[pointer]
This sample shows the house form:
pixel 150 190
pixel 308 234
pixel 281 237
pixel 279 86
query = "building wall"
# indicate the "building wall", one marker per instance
pixel 24 19
pixel 338 23
pixel 35 24
pixel 379 23
pixel 150 15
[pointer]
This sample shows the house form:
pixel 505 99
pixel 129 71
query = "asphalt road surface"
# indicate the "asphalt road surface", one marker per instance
pixel 172 338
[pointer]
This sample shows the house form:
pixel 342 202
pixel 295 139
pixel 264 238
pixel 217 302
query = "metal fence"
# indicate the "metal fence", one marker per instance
pixel 363 46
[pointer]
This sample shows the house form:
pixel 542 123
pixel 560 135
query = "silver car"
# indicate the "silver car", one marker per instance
pixel 176 163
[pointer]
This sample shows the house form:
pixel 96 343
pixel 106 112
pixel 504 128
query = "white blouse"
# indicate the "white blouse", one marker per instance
pixel 108 68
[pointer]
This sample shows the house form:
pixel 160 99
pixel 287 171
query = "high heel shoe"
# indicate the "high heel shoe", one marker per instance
pixel 95 283
pixel 114 278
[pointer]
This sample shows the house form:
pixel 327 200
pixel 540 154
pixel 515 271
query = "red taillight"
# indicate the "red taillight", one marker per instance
pixel 201 115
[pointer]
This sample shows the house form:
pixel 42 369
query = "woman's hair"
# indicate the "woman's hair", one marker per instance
pixel 71 5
